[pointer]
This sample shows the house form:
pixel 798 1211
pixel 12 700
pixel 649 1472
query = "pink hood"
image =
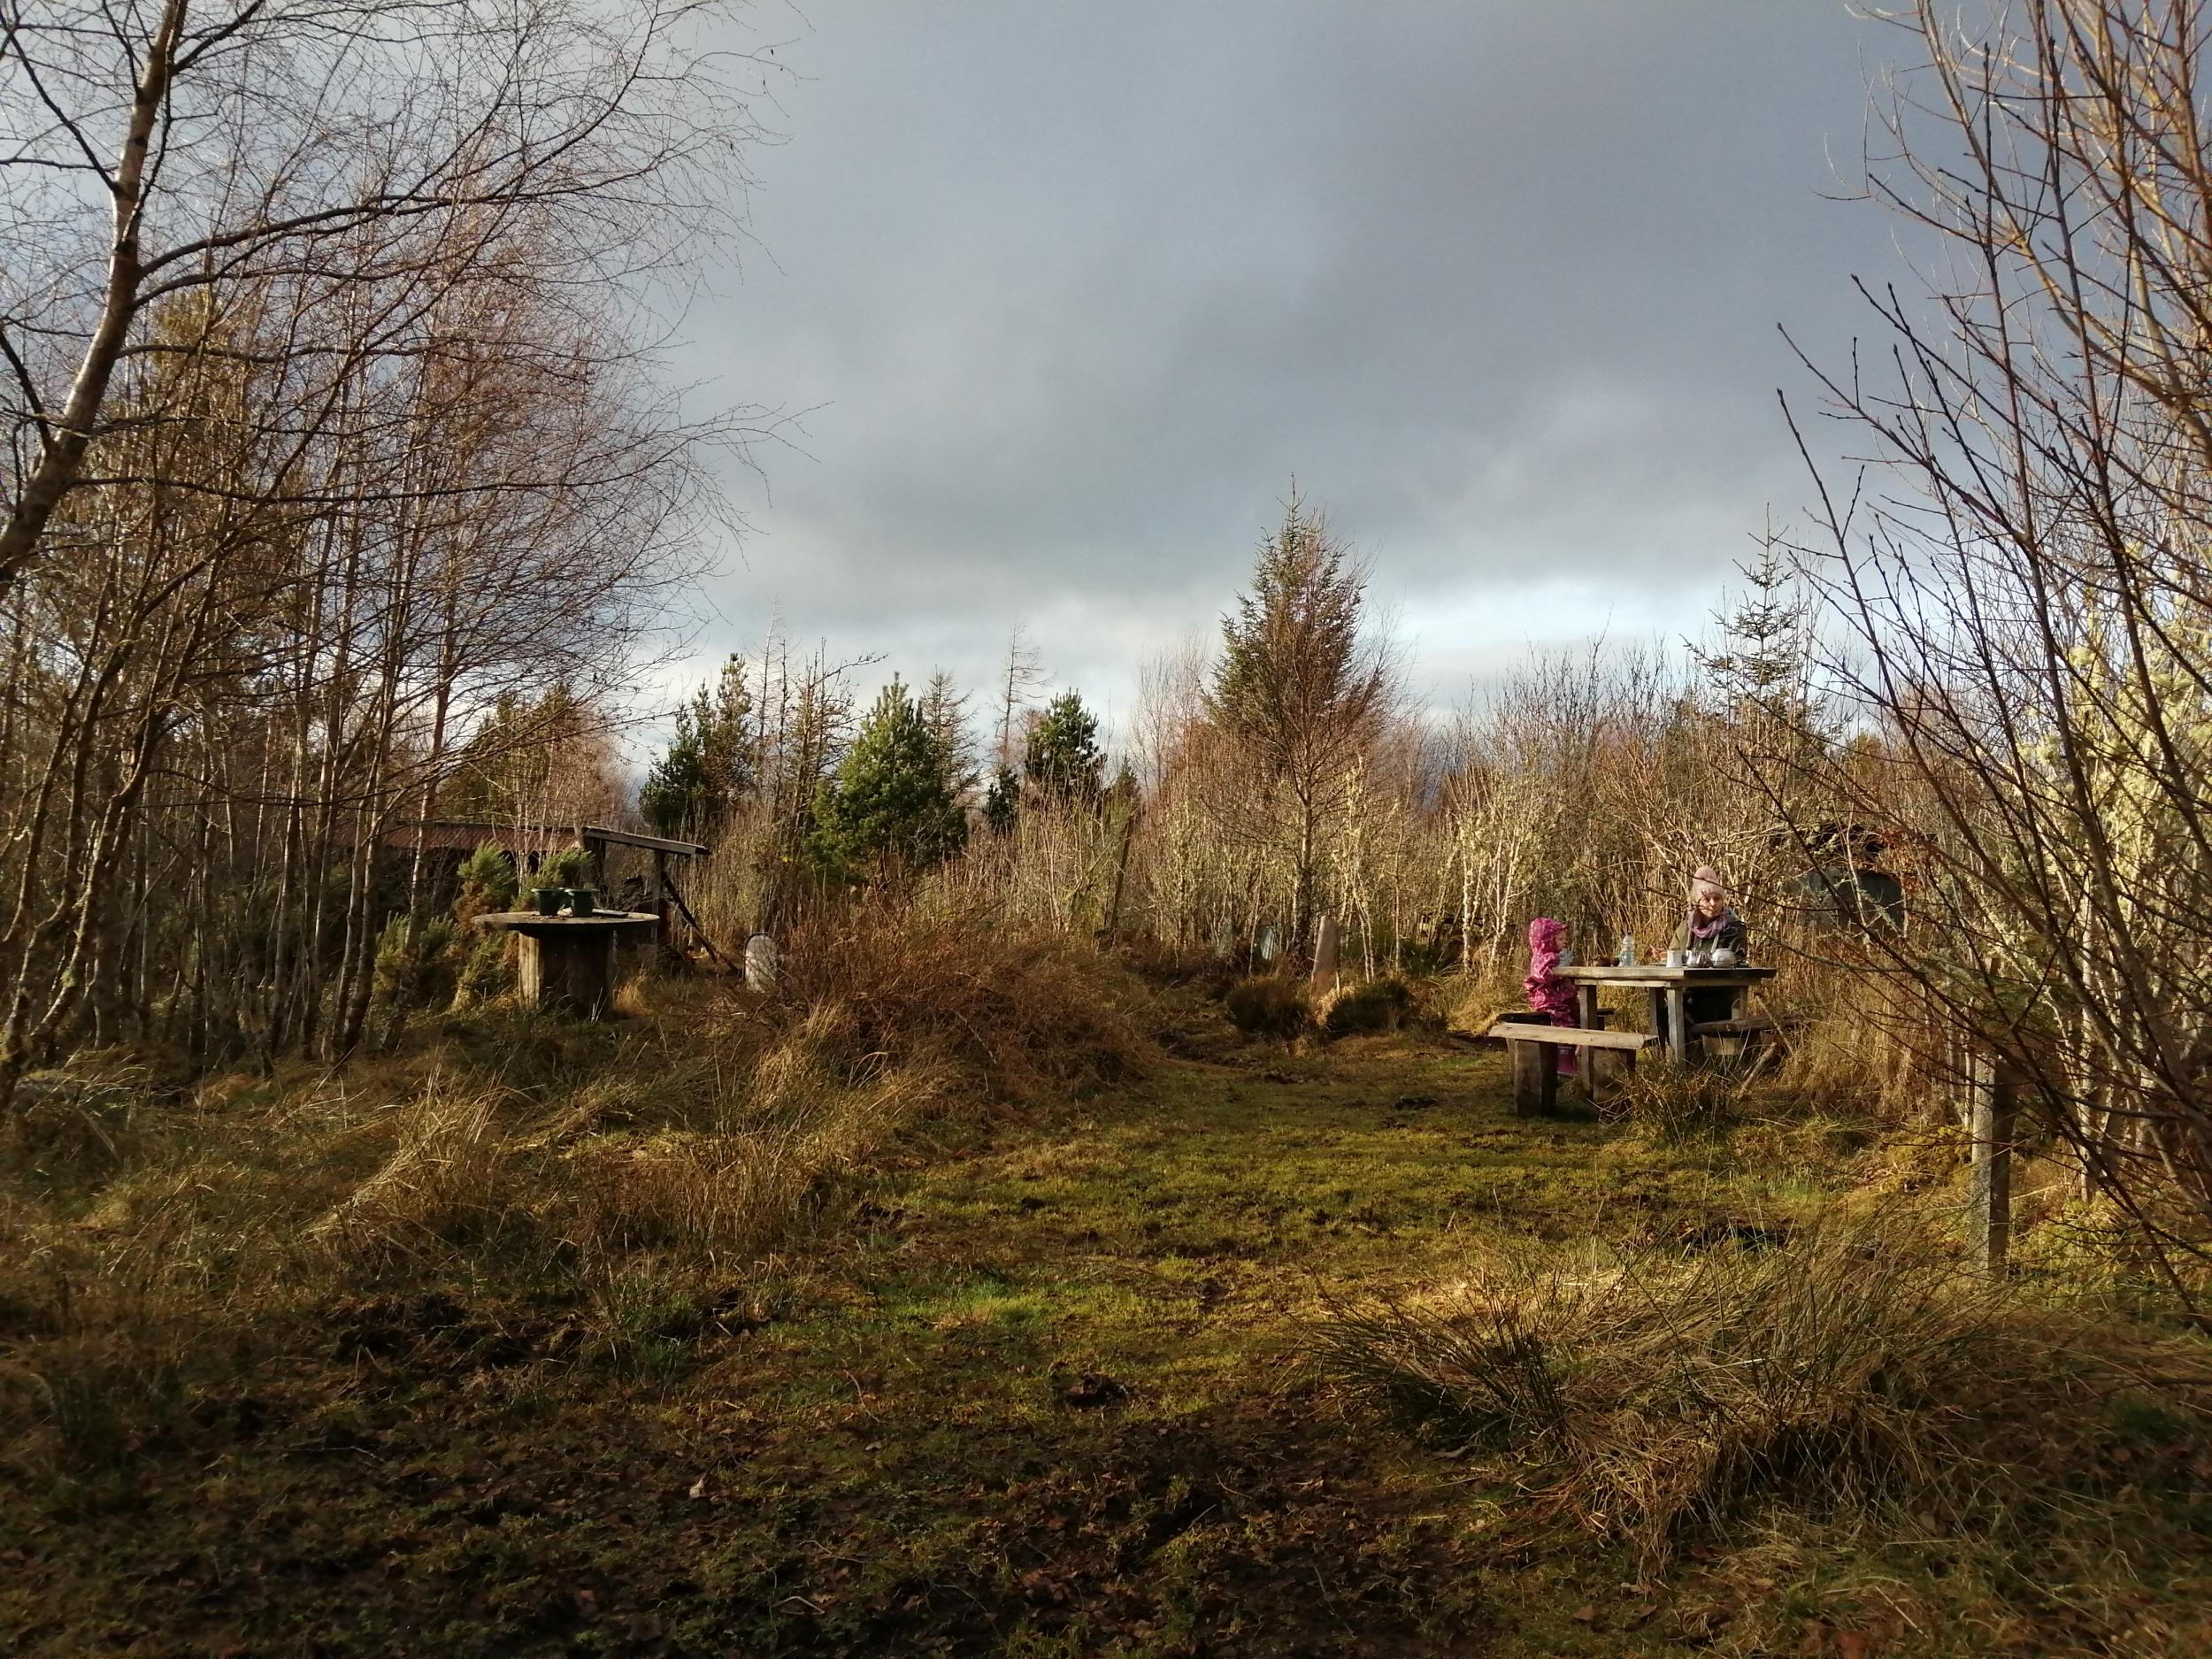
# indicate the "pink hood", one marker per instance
pixel 1547 938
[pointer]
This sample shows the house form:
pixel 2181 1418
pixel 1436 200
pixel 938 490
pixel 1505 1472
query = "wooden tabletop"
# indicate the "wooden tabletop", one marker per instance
pixel 1659 973
pixel 531 922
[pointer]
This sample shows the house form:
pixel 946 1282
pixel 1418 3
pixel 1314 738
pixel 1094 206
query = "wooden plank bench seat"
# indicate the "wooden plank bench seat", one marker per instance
pixel 1742 1042
pixel 1535 1047
pixel 1570 1036
pixel 1750 1027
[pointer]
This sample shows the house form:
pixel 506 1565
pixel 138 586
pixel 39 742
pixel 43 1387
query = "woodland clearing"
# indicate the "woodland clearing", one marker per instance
pixel 1065 1374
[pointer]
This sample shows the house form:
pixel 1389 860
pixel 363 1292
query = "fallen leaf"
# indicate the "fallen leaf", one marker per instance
pixel 1585 1615
pixel 1854 1644
pixel 697 1489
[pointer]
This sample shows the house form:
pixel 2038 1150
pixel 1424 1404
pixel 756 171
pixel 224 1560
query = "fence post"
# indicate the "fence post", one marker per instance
pixel 1324 955
pixel 1991 1110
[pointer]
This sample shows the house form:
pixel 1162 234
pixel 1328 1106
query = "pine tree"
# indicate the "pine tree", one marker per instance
pixel 945 711
pixel 1062 760
pixel 709 764
pixel 1299 688
pixel 893 805
pixel 1003 802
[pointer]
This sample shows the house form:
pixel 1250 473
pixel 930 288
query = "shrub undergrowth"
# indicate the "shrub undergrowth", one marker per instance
pixel 1858 1370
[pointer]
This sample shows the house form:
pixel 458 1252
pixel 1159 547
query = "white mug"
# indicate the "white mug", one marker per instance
pixel 1675 958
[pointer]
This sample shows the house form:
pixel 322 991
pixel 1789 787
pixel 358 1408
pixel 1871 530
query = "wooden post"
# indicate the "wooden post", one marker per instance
pixel 1535 1078
pixel 1990 1109
pixel 666 933
pixel 1325 954
pixel 1121 873
pixel 1678 1023
pixel 569 972
pixel 1586 1004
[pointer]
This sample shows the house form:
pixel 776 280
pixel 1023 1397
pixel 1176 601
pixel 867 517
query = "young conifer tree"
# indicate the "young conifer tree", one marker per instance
pixel 893 806
pixel 1300 688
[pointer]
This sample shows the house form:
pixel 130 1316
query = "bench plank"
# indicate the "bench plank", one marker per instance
pixel 1570 1036
pixel 1731 1027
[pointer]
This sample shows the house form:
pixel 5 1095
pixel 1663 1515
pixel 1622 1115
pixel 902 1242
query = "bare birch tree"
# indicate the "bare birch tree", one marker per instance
pixel 151 149
pixel 2024 627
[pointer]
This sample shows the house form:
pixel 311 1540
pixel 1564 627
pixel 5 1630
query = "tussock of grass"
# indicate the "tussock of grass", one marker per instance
pixel 1268 1007
pixel 1378 1005
pixel 1025 1014
pixel 1858 1369
pixel 1665 1103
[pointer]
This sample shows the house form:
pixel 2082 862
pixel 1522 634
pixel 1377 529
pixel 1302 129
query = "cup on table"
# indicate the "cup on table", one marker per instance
pixel 1677 958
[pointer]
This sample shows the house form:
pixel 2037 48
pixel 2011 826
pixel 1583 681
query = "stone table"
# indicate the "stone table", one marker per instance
pixel 568 962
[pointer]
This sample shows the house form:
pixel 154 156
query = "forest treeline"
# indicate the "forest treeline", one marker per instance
pixel 341 478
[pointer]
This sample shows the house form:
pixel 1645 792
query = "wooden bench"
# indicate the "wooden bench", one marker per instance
pixel 1740 1040
pixel 1535 1050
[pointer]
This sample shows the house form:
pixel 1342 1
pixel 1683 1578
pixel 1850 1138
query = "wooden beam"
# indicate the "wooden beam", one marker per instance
pixel 651 843
pixel 1572 1036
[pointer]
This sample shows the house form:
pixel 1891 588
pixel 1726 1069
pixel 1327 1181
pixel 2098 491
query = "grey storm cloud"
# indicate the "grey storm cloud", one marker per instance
pixel 1073 292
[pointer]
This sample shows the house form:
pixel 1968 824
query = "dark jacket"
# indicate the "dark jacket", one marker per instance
pixel 1734 935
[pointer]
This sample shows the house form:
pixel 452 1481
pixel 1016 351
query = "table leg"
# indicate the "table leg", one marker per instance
pixel 1585 1004
pixel 1658 1011
pixel 1678 1024
pixel 1535 1078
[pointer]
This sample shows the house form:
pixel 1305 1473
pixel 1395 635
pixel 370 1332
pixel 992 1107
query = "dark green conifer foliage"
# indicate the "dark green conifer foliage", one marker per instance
pixel 894 804
pixel 1002 801
pixel 708 764
pixel 1064 760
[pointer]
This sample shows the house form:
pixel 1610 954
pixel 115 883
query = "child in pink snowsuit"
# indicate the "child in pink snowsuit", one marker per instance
pixel 1548 995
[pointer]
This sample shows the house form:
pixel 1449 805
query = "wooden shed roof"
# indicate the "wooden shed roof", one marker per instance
pixel 467 834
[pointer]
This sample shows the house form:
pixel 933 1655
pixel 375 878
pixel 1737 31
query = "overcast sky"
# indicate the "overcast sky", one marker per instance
pixel 1072 292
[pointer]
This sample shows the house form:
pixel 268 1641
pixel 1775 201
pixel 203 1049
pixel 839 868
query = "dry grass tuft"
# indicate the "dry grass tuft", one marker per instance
pixel 1666 1102
pixel 1025 1014
pixel 447 1183
pixel 1268 1007
pixel 1859 1369
pixel 1378 1005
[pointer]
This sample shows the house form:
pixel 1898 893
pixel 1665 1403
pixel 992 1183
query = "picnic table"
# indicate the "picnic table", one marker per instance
pixel 1669 989
pixel 568 962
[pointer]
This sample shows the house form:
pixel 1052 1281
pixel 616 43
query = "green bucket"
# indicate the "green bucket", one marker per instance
pixel 579 900
pixel 548 900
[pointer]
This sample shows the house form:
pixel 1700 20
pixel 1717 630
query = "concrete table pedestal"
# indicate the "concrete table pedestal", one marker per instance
pixel 569 963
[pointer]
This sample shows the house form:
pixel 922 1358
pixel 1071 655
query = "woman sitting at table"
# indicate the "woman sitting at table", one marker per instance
pixel 1711 925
